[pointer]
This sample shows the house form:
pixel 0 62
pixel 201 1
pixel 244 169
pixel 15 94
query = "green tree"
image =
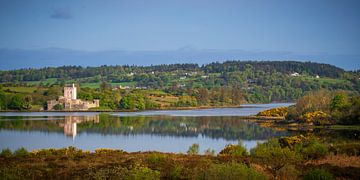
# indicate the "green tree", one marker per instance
pixel 274 156
pixel 2 100
pixel 203 96
pixel 17 102
pixel 27 102
pixel 340 101
pixel 194 149
pixel 104 86
pixel 59 107
pixel 125 103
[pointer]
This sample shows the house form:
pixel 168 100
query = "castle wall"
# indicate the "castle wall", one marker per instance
pixel 70 102
pixel 51 104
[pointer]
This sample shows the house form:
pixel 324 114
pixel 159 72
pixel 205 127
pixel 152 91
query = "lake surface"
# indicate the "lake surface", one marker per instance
pixel 165 131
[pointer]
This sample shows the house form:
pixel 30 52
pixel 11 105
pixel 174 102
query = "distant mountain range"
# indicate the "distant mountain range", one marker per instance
pixel 50 57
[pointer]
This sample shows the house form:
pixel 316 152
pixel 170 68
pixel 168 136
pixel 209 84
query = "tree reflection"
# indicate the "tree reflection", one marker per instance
pixel 229 128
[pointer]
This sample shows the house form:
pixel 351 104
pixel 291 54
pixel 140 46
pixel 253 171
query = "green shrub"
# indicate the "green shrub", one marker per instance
pixel 70 152
pixel 318 174
pixel 59 107
pixel 22 152
pixel 14 173
pixel 275 112
pixel 193 149
pixel 288 172
pixel 234 150
pixel 274 156
pixel 176 171
pixel 136 172
pixel 291 141
pixel 45 152
pixel 230 171
pixel 155 158
pixel 351 149
pixel 112 172
pixel 108 151
pixel 312 149
pixel 6 153
pixel 142 173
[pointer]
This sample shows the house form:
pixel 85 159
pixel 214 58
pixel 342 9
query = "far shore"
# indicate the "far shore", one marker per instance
pixel 160 109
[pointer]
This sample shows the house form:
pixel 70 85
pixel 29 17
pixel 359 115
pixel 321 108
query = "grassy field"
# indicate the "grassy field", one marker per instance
pixel 22 89
pixel 97 85
pixel 46 81
pixel 164 101
pixel 322 79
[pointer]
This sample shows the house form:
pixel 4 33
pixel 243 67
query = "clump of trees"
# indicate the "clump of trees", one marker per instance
pixel 274 156
pixel 15 101
pixel 326 107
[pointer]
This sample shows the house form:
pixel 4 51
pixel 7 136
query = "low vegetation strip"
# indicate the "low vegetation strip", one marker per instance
pixel 286 158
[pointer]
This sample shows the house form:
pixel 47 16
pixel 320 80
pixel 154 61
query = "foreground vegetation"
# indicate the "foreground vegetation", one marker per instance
pixel 286 158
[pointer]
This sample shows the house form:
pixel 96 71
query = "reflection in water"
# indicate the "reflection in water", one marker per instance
pixel 137 133
pixel 133 133
pixel 70 124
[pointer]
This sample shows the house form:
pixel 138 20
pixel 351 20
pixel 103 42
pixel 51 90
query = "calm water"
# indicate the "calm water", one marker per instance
pixel 166 131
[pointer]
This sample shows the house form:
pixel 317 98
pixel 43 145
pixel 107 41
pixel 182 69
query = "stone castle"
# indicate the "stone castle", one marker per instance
pixel 70 102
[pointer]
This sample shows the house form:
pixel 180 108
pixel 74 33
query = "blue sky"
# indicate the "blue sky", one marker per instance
pixel 306 27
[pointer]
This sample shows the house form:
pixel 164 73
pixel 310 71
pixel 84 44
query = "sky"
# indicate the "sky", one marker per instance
pixel 318 29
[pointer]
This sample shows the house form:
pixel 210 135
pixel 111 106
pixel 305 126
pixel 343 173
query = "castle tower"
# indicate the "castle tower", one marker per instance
pixel 70 92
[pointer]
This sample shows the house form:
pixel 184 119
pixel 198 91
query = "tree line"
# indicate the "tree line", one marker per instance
pixel 74 72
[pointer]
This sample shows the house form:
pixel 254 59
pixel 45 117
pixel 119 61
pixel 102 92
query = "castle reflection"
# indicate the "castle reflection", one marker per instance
pixel 229 128
pixel 70 123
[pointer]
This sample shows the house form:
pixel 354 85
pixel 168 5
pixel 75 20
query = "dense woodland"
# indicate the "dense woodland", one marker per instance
pixel 176 85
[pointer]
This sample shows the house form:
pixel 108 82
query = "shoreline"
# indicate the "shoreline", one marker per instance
pixel 160 109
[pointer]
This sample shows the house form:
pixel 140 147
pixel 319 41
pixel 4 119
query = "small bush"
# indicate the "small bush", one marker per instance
pixel 108 151
pixel 193 149
pixel 312 149
pixel 316 117
pixel 274 156
pixel 70 152
pixel 176 171
pixel 351 149
pixel 155 158
pixel 44 152
pixel 230 171
pixel 291 141
pixel 135 172
pixel 288 172
pixel 21 152
pixel 234 150
pixel 14 173
pixel 318 174
pixel 6 153
pixel 143 173
pixel 275 112
pixel 59 107
pixel 112 172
